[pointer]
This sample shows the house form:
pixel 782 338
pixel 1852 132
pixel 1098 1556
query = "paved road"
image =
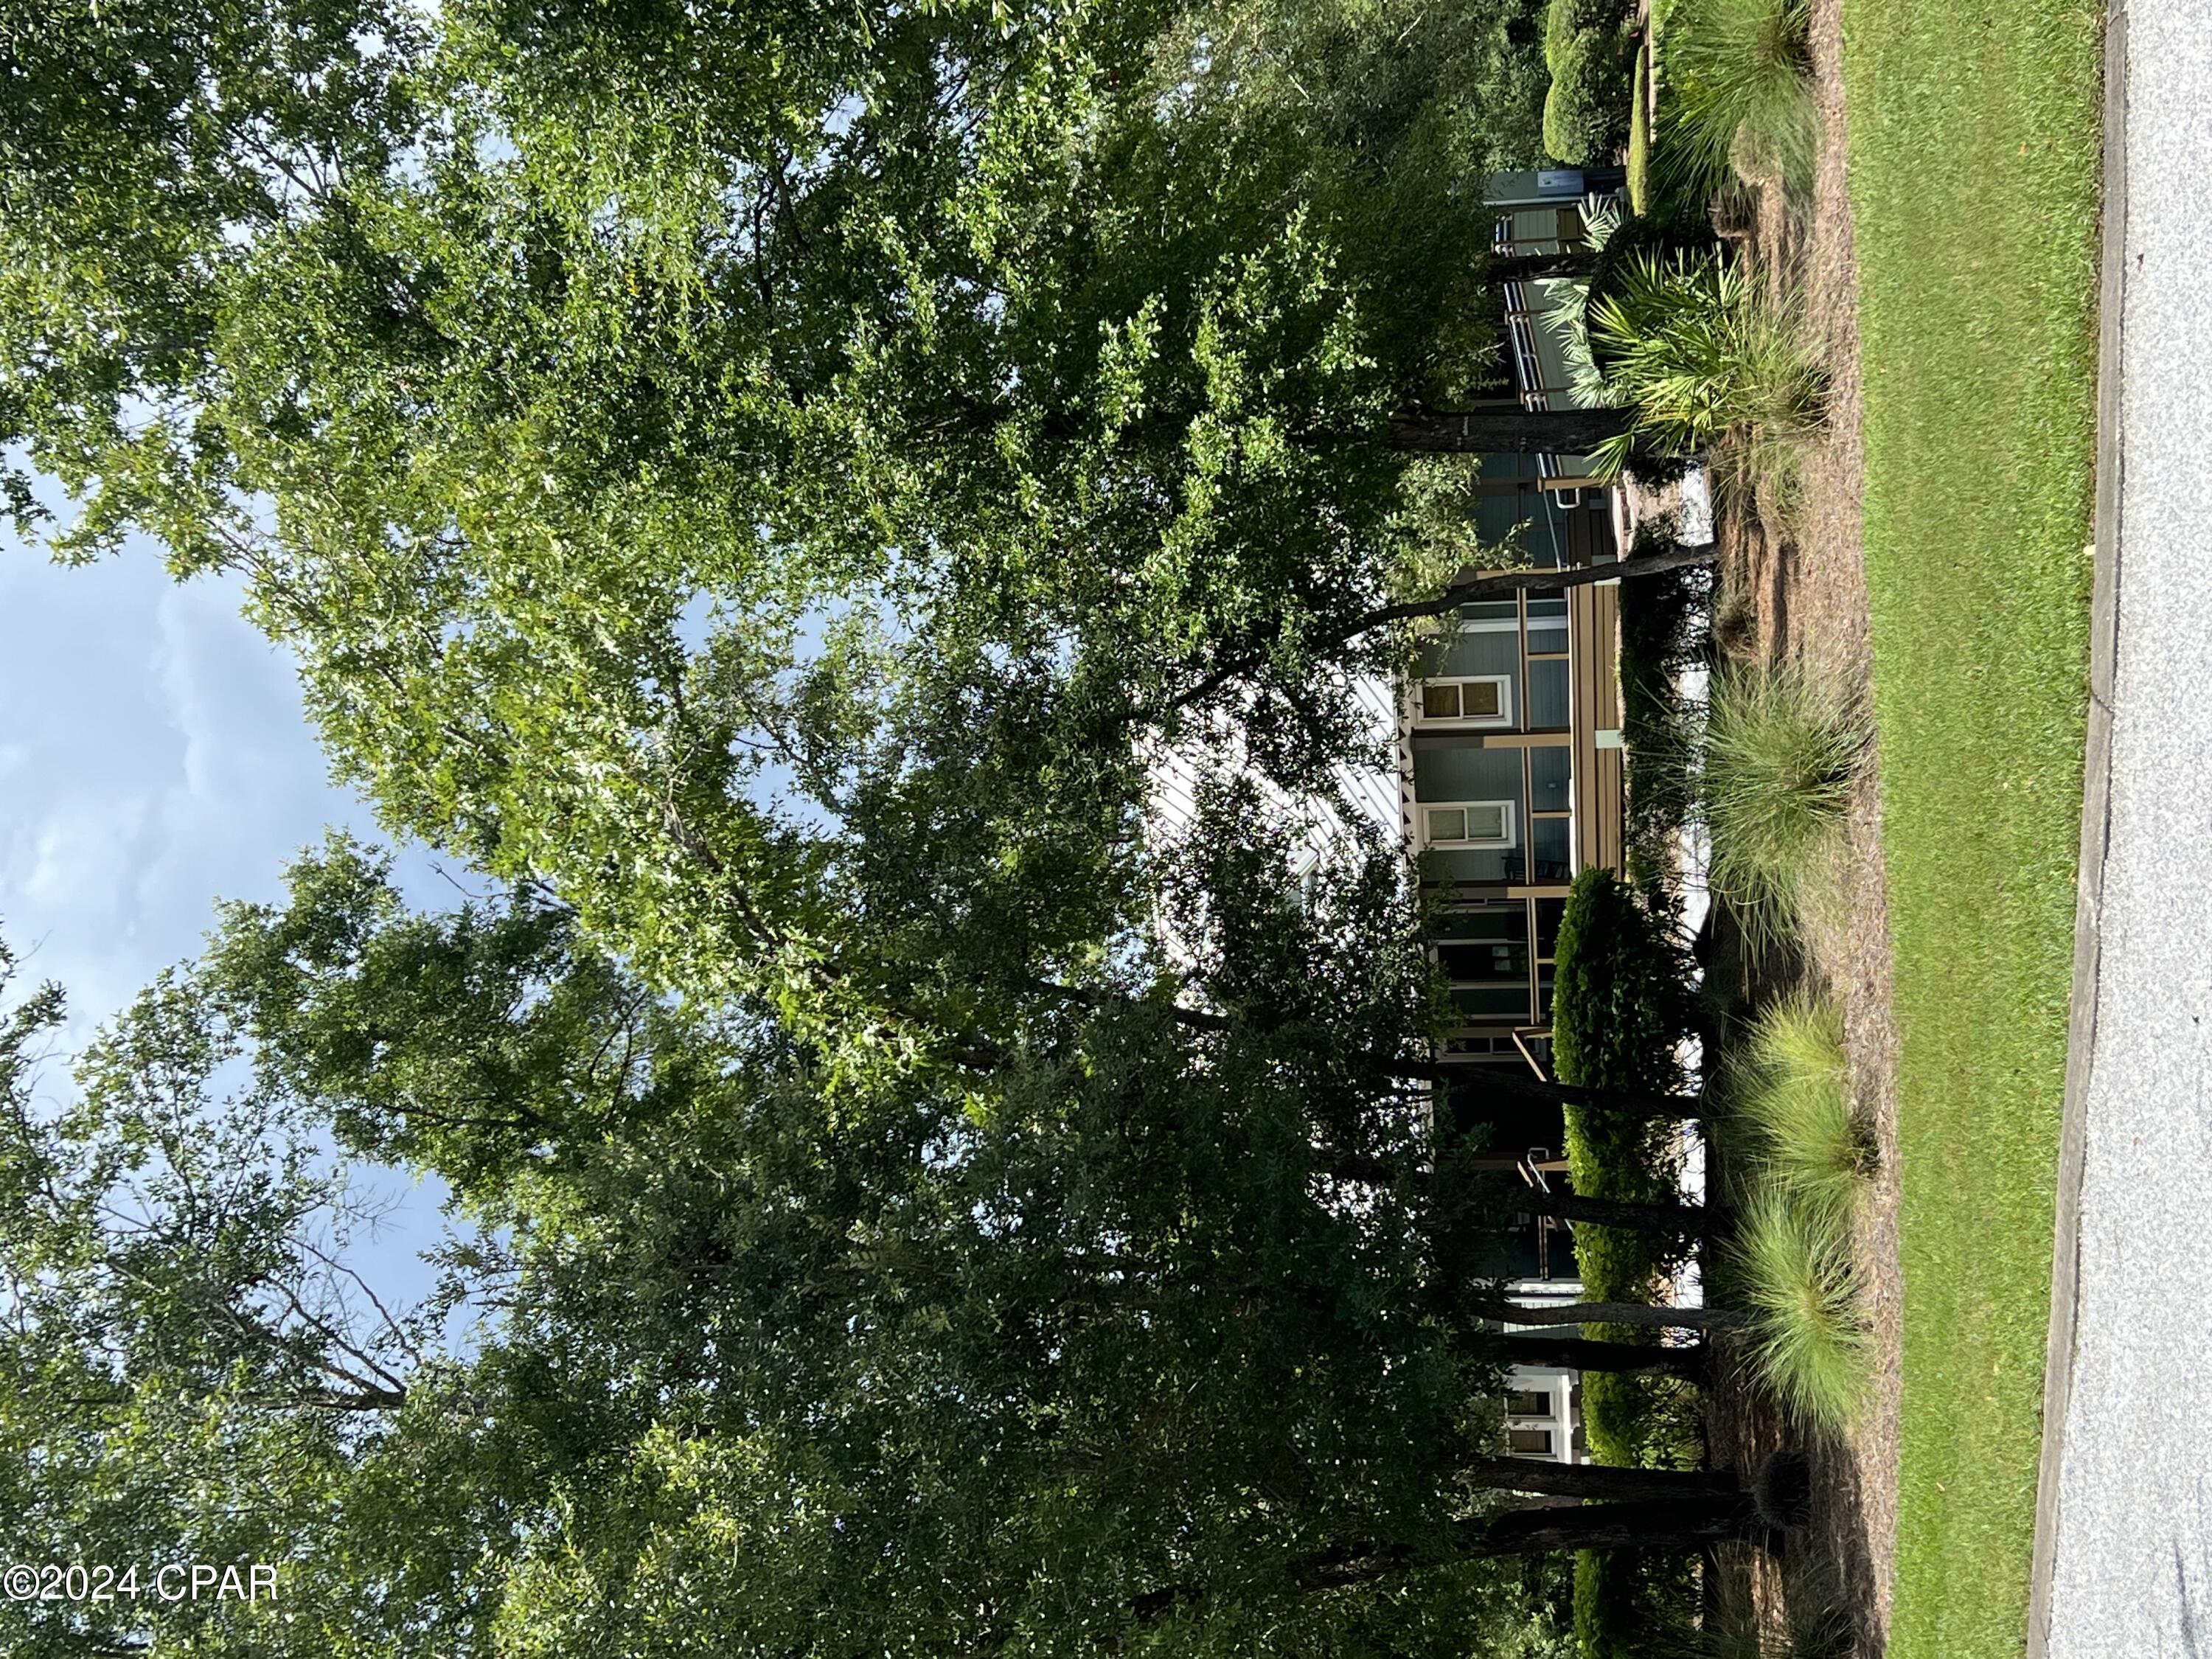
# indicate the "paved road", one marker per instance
pixel 2129 1549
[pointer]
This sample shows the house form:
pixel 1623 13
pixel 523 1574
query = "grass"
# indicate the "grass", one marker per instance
pixel 1781 751
pixel 1973 184
pixel 1736 74
pixel 1793 1262
pixel 1794 1097
pixel 1809 1160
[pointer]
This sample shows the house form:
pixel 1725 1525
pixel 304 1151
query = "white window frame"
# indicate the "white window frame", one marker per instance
pixel 1504 717
pixel 1508 813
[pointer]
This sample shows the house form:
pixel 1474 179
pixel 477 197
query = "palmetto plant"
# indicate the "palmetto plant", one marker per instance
pixel 1699 355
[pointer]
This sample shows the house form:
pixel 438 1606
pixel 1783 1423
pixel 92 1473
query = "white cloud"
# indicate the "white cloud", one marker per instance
pixel 155 759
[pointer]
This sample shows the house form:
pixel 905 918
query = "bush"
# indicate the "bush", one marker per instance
pixel 1565 19
pixel 1782 752
pixel 1810 1342
pixel 1586 111
pixel 1736 73
pixel 1621 1005
pixel 1639 137
pixel 1792 1091
pixel 1621 1001
pixel 1628 1603
pixel 1662 236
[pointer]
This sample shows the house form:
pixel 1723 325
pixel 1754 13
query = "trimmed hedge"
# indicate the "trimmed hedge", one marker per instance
pixel 1621 1003
pixel 1590 49
pixel 1622 1000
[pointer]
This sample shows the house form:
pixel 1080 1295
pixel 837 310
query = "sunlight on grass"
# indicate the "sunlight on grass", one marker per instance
pixel 1974 148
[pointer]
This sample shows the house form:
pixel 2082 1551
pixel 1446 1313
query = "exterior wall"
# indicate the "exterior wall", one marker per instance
pixel 1548 758
pixel 1554 1433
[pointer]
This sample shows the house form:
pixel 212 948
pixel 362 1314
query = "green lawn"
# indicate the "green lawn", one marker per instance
pixel 1974 136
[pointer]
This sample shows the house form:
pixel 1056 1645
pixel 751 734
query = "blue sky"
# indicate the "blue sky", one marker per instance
pixel 153 758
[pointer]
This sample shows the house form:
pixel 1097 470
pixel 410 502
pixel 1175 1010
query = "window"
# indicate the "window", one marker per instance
pixel 1486 700
pixel 1528 1402
pixel 1528 1442
pixel 1475 964
pixel 1468 824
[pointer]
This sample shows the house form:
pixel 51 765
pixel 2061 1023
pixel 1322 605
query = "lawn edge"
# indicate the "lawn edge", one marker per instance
pixel 2096 834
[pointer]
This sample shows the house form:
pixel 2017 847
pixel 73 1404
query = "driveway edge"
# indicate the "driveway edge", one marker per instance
pixel 2096 834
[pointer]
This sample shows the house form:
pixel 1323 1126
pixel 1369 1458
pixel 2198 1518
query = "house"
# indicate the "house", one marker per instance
pixel 1510 765
pixel 1511 776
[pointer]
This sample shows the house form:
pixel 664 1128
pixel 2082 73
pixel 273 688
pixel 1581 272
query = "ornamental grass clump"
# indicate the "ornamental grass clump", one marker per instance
pixel 1810 1343
pixel 1793 1094
pixel 1700 355
pixel 1782 750
pixel 1739 96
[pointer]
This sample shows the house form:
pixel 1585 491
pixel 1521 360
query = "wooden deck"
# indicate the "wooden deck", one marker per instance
pixel 1593 647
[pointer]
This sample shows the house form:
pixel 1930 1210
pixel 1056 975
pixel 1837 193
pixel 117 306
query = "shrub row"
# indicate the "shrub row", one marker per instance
pixel 1589 46
pixel 1621 1007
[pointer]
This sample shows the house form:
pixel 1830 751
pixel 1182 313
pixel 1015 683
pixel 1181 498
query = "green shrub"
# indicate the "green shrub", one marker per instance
pixel 1693 347
pixel 1810 1343
pixel 1637 1422
pixel 1663 234
pixel 1559 31
pixel 1782 752
pixel 1586 111
pixel 1792 1090
pixel 1629 1604
pixel 1738 98
pixel 1621 1005
pixel 1621 1002
pixel 1565 19
pixel 1639 137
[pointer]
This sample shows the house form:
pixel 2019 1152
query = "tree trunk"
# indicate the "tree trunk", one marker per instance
pixel 1674 1524
pixel 1490 431
pixel 1651 1524
pixel 1598 1481
pixel 1682 1521
pixel 1642 1313
pixel 1693 1220
pixel 1581 1353
pixel 1613 1103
